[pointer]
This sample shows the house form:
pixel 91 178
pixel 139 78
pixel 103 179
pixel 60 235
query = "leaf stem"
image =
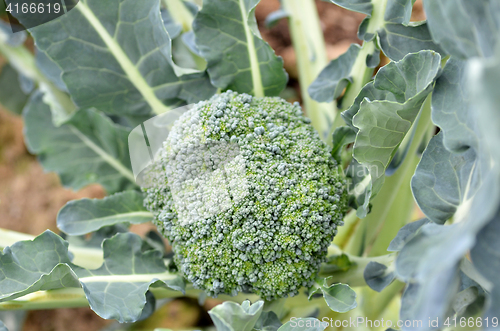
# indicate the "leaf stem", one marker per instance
pixel 121 57
pixel 309 45
pixel 379 218
pixel 24 62
pixel 258 88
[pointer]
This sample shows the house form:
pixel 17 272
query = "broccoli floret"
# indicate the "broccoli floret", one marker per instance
pixel 248 195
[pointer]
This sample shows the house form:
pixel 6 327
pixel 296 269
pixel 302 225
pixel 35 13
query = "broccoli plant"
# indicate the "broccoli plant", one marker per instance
pixel 297 216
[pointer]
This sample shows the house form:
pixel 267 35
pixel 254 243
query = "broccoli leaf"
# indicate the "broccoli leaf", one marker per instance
pixel 30 266
pixel 86 215
pixel 230 316
pixel 268 321
pixel 237 58
pixel 334 77
pixel 382 123
pixel 360 6
pixel 405 234
pixel 464 28
pixel 397 40
pixel 469 143
pixel 117 290
pixel 12 96
pixel 444 180
pixel 378 276
pixel 89 148
pixel 116 56
pixel 339 297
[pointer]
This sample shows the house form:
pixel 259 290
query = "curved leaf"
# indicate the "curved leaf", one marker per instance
pixel 237 58
pixel 117 290
pixel 89 148
pixel 444 180
pixel 464 28
pixel 397 40
pixel 382 124
pixel 116 55
pixel 79 217
pixel 334 77
pixel 230 316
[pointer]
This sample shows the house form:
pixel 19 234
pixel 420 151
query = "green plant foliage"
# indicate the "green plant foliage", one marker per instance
pixel 116 290
pixel 244 189
pixel 238 59
pixel 400 89
pixel 89 148
pixel 108 63
pixel 12 96
pixel 87 215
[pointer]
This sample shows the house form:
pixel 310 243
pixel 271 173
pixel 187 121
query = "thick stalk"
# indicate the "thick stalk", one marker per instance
pixel 310 51
pixel 354 275
pixel 360 72
pixel 397 185
pixel 346 231
pixel 24 62
pixel 374 304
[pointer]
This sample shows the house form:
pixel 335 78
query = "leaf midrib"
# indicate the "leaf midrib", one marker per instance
pixel 128 67
pixel 258 89
pixel 104 155
pixel 137 214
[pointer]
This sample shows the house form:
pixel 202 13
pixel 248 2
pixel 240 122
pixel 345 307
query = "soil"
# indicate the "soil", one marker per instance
pixel 30 198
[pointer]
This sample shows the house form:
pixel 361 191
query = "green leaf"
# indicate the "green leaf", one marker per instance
pixel 230 316
pixel 83 216
pixel 117 290
pixel 465 106
pixel 360 6
pixel 304 324
pixel 341 137
pixel 334 77
pixel 30 266
pixel 429 263
pixel 405 234
pixel 89 148
pixel 444 180
pixel 116 56
pixel 483 82
pixel 378 276
pixel 398 11
pixel 50 69
pixel 397 40
pixel 464 28
pixel 486 258
pixel 382 124
pixel 237 58
pixel 268 321
pixel 339 297
pixel 12 96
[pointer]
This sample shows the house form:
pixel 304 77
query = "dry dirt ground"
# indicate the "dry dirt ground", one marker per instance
pixel 30 198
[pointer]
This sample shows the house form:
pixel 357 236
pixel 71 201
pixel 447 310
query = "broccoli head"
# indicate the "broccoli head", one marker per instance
pixel 248 195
